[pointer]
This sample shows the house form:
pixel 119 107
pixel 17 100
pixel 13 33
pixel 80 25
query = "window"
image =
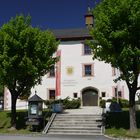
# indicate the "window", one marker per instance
pixel 75 95
pixel 115 89
pixel 87 50
pixel 119 94
pixel 88 70
pixel 51 94
pixel 103 94
pixel 52 72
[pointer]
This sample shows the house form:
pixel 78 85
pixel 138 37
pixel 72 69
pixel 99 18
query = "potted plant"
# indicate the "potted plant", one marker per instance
pixel 55 105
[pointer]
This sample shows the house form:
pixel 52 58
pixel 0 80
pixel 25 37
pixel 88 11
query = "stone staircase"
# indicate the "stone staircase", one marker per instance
pixel 76 124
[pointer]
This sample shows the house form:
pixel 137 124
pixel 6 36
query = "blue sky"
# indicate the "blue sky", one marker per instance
pixel 52 14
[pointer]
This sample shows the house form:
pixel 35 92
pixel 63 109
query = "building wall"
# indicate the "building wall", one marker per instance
pixel 72 79
pixel 72 59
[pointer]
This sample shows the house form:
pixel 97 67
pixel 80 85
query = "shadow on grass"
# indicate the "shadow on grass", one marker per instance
pixel 120 120
pixel 21 119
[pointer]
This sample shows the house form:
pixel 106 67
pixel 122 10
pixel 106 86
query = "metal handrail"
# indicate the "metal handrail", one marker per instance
pixel 49 123
pixel 103 121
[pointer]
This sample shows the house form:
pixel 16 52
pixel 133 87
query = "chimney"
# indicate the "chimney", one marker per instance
pixel 89 18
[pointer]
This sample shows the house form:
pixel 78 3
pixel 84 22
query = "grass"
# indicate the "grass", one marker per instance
pixel 22 128
pixel 117 124
pixel 121 132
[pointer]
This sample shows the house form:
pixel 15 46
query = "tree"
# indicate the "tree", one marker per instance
pixel 1 90
pixel 26 54
pixel 116 35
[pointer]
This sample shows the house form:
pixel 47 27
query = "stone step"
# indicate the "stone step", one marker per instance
pixel 78 115
pixel 75 128
pixel 74 131
pixel 77 119
pixel 75 122
pixel 73 125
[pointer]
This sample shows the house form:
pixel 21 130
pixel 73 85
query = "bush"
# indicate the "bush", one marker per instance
pixel 49 103
pixel 124 103
pixel 71 104
pixel 102 103
pixel 67 103
pixel 112 100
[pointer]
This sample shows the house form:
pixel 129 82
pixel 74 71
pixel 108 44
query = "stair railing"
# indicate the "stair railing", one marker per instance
pixel 49 123
pixel 103 121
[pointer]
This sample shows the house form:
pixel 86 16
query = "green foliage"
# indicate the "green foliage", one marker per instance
pixel 67 103
pixel 102 103
pixel 122 119
pixel 1 90
pixel 122 133
pixel 112 100
pixel 71 104
pixel 49 103
pixel 124 103
pixel 116 35
pixel 26 54
pixel 21 127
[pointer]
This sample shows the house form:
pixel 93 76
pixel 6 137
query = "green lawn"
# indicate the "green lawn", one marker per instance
pixel 21 126
pixel 117 124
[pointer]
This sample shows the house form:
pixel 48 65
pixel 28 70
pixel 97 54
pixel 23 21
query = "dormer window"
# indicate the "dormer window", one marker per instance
pixel 87 50
pixel 52 72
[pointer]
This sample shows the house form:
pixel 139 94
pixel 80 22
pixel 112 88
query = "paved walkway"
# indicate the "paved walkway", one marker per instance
pixel 85 110
pixel 45 137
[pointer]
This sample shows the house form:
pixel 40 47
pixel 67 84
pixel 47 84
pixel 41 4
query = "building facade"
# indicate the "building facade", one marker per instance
pixel 76 74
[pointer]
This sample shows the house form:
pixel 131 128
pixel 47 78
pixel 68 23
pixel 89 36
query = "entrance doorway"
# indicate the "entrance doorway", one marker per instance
pixel 90 97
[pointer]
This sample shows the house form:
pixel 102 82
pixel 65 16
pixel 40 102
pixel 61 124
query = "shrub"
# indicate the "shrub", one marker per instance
pixel 112 100
pixel 109 100
pixel 71 104
pixel 49 103
pixel 67 103
pixel 124 103
pixel 102 103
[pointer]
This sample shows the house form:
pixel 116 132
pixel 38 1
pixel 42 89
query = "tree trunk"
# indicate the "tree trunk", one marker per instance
pixel 13 110
pixel 132 112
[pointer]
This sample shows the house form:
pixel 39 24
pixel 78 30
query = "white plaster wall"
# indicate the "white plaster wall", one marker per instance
pixel 42 89
pixel 71 56
pixel 21 104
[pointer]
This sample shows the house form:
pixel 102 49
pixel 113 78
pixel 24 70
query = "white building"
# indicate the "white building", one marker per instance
pixel 76 75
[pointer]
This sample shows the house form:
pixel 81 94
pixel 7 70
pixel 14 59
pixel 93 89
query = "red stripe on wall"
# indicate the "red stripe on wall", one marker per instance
pixel 58 74
pixel 113 91
pixel 122 91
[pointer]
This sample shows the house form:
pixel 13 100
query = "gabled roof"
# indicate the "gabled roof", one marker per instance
pixel 72 34
pixel 35 98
